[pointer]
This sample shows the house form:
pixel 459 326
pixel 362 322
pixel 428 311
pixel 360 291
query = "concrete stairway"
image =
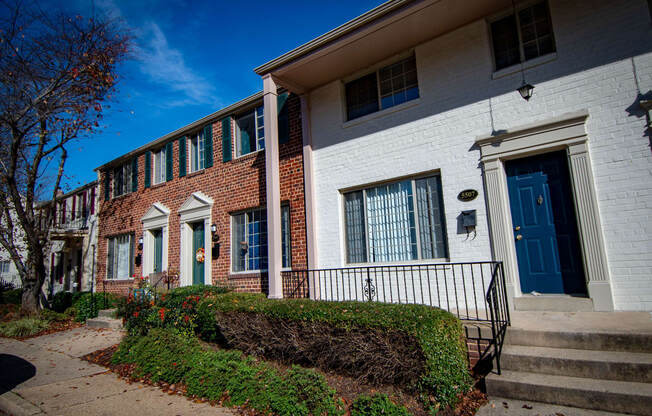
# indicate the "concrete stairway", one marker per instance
pixel 105 319
pixel 591 370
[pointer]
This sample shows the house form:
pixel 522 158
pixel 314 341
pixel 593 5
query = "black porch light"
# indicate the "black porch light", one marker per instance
pixel 526 90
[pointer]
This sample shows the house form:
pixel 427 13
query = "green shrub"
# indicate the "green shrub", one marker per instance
pixel 13 296
pixel 170 356
pixel 61 301
pixel 52 316
pixel 87 305
pixel 23 327
pixel 71 312
pixel 175 297
pixel 376 405
pixel 438 334
pixel 138 314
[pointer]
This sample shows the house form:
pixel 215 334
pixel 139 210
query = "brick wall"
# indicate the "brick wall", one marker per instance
pixel 234 186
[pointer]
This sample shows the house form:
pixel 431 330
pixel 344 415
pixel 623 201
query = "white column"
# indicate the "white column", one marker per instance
pixel 590 229
pixel 501 225
pixel 309 195
pixel 273 194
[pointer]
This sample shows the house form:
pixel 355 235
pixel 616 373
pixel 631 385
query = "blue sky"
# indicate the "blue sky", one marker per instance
pixel 192 58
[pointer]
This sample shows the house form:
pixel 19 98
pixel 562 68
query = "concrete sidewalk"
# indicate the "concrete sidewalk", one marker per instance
pixel 45 376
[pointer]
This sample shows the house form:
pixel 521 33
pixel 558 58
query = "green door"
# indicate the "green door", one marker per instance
pixel 197 243
pixel 158 250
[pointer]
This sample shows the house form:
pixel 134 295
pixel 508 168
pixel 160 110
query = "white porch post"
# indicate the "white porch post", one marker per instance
pixel 274 256
pixel 309 191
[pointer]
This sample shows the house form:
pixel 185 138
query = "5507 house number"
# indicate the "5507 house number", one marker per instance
pixel 467 195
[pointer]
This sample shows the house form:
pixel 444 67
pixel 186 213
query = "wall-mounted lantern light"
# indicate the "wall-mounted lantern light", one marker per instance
pixel 525 90
pixel 140 243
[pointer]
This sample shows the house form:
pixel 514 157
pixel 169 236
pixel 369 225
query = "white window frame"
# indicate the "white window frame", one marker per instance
pixel 159 170
pixel 259 123
pixel 416 213
pixel 113 241
pixel 196 160
pixel 377 70
pixel 526 63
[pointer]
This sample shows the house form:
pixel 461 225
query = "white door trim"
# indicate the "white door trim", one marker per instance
pixel 562 133
pixel 197 207
pixel 156 217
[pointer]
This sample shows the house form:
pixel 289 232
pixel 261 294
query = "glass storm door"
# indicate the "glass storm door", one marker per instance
pixel 158 250
pixel 197 244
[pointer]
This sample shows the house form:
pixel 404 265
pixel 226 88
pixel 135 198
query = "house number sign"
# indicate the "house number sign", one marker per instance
pixel 467 195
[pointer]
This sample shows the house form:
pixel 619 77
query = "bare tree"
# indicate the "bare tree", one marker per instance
pixel 56 71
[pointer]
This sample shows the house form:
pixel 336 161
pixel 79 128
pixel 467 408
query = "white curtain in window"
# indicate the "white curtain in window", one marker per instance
pixel 124 247
pixel 390 216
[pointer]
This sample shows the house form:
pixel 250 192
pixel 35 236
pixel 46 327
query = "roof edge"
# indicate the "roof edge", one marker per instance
pixel 332 35
pixel 211 117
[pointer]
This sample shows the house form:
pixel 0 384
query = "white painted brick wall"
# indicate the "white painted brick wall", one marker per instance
pixel 598 45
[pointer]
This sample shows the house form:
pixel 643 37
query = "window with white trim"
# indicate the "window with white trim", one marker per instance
pixel 197 160
pixel 388 86
pixel 522 36
pixel 120 258
pixel 397 221
pixel 250 132
pixel 249 239
pixel 159 166
pixel 122 180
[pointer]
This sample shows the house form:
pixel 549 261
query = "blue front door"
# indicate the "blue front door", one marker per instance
pixel 545 228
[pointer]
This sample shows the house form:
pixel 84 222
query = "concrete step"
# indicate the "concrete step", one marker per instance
pixel 107 313
pixel 606 365
pixel 607 395
pixel 600 341
pixel 500 406
pixel 553 303
pixel 110 323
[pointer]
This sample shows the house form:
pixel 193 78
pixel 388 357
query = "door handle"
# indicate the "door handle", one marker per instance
pixel 518 227
pixel 519 237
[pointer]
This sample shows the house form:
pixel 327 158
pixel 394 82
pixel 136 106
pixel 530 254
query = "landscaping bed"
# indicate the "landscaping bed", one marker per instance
pixel 415 354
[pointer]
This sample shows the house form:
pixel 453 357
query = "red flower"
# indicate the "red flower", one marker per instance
pixel 135 314
pixel 174 364
pixel 186 318
pixel 161 314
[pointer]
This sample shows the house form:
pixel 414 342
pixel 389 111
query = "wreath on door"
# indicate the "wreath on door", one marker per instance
pixel 200 255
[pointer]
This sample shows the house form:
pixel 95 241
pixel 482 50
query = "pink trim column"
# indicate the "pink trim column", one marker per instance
pixel 274 253
pixel 309 195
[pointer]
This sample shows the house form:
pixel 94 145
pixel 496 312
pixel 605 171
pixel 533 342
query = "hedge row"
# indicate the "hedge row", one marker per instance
pixel 418 348
pixel 231 378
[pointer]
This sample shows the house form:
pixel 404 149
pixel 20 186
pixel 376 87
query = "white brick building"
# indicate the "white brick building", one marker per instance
pixel 591 68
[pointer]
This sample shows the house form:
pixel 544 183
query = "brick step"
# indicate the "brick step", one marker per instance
pixel 110 323
pixel 600 341
pixel 107 313
pixel 607 395
pixel 606 365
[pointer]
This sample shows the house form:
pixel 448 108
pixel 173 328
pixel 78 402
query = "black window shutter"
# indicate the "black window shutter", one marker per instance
pixel 283 119
pixel 182 157
pixel 107 185
pixel 226 139
pixel 134 174
pixel 148 169
pixel 208 146
pixel 169 161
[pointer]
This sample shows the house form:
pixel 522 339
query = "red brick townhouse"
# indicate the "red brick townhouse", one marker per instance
pixel 194 201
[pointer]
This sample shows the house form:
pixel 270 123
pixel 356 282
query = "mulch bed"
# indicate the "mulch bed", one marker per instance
pixel 347 388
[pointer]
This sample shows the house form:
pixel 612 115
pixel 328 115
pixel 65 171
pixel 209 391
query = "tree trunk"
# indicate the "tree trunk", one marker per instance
pixel 33 283
pixel 30 303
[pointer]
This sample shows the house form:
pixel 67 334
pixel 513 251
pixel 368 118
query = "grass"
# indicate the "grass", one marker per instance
pixel 23 327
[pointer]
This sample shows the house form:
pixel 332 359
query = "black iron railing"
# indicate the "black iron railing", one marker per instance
pixel 73 220
pixel 474 292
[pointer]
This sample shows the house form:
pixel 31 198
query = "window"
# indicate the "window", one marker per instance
pixel 122 180
pixel 395 222
pixel 250 132
pixel 4 267
pixel 159 166
pixel 389 86
pixel 249 242
pixel 197 160
pixel 120 257
pixel 521 37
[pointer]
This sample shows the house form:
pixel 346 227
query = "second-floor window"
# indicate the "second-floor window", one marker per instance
pixel 522 36
pixel 159 166
pixel 250 132
pixel 197 157
pixel 388 86
pixel 122 180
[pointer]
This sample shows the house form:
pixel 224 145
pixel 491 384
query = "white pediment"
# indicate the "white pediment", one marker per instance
pixel 196 201
pixel 156 211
